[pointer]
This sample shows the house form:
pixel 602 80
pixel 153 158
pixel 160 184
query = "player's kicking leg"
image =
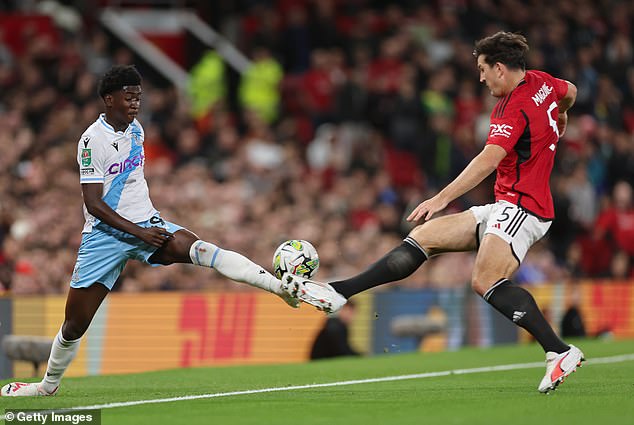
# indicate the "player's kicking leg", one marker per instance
pixel 81 306
pixel 187 248
pixel 455 232
pixel 329 298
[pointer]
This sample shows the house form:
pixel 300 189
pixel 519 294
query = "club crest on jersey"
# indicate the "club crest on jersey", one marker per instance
pixel 136 139
pixel 86 157
pixel 503 130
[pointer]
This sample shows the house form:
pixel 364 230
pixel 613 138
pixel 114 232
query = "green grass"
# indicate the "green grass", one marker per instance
pixel 598 393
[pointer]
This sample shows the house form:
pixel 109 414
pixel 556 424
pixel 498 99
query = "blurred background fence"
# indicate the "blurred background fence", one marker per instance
pixel 152 331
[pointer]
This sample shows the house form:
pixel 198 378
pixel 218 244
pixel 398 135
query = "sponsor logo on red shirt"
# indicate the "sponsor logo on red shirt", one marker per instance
pixel 500 130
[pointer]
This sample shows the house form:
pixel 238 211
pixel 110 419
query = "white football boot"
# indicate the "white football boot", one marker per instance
pixel 559 366
pixel 318 294
pixel 24 389
pixel 288 297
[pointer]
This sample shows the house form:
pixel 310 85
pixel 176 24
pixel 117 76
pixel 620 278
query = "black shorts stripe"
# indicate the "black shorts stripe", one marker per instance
pixel 512 222
pixel 519 226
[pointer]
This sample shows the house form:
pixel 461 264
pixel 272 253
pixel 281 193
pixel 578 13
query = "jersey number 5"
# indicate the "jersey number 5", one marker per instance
pixel 551 120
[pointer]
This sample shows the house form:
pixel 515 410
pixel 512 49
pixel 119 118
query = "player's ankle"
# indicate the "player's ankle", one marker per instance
pixel 48 387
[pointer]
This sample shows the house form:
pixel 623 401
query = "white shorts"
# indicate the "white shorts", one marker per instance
pixel 517 227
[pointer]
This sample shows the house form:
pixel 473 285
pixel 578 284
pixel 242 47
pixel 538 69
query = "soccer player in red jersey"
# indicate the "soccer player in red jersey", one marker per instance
pixel 526 124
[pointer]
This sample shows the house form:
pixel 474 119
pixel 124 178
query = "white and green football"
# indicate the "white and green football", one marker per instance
pixel 296 256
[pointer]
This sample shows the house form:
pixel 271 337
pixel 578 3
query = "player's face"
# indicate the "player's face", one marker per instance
pixel 490 76
pixel 125 104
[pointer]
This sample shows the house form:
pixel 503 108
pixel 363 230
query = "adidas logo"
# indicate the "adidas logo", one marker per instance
pixel 517 315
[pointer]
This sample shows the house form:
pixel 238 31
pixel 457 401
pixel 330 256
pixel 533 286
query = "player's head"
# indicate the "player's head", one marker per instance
pixel 498 54
pixel 120 89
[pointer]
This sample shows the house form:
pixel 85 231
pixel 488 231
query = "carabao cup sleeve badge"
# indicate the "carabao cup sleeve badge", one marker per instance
pixel 86 157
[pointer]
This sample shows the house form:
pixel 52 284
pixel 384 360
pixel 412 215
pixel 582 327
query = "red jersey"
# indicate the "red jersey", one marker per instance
pixel 524 123
pixel 620 225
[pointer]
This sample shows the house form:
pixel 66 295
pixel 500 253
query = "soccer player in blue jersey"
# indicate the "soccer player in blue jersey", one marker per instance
pixel 122 224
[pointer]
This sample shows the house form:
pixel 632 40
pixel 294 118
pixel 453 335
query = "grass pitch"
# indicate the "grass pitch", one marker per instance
pixel 598 393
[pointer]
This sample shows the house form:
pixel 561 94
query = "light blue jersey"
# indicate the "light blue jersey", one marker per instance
pixel 115 159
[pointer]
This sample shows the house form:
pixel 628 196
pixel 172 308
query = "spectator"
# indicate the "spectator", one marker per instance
pixel 616 223
pixel 259 86
pixel 207 83
pixel 332 339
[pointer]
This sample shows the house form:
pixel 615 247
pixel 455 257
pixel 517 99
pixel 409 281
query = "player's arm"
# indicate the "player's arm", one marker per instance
pixel 92 192
pixel 564 104
pixel 477 170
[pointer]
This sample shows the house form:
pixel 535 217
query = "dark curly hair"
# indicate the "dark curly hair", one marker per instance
pixel 504 47
pixel 117 77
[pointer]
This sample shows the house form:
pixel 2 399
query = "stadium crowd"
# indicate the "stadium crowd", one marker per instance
pixel 378 106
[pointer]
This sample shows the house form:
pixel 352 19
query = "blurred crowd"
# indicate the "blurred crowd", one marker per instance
pixel 370 107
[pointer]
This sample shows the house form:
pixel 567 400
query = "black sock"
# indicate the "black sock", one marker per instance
pixel 397 264
pixel 519 305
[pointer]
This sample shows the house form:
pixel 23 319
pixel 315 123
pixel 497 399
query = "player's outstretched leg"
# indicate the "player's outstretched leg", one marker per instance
pixel 397 264
pixel 239 268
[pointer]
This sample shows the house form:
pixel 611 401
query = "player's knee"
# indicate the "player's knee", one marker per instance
pixel 422 235
pixel 178 250
pixel 480 283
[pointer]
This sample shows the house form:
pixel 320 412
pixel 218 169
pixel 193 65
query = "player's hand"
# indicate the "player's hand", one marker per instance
pixel 427 209
pixel 155 236
pixel 562 122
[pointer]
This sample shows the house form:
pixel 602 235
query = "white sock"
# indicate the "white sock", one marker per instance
pixel 62 353
pixel 233 265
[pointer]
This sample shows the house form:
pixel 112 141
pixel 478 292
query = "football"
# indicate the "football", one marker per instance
pixel 295 256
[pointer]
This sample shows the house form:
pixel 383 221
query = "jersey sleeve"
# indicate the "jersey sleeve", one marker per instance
pixel 506 128
pixel 90 160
